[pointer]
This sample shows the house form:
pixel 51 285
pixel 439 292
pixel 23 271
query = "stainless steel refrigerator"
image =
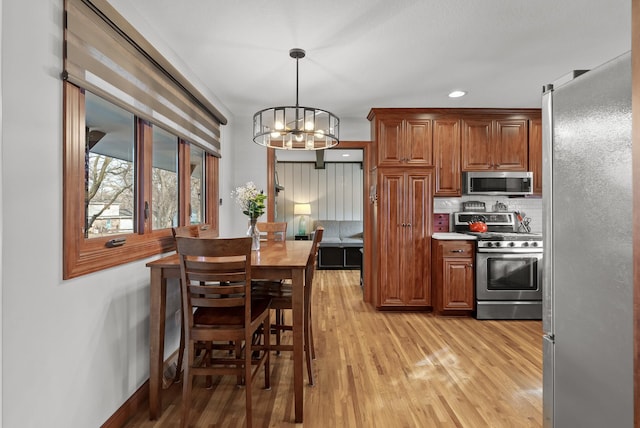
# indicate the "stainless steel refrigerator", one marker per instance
pixel 588 268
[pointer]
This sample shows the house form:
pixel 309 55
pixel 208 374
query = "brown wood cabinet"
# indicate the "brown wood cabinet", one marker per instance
pixel 494 144
pixel 404 238
pixel 404 142
pixel 535 154
pixel 446 157
pixel 453 279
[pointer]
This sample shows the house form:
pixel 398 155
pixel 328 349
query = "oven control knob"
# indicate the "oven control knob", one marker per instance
pixel 535 244
pixel 525 244
pixel 512 244
pixel 489 244
pixel 497 244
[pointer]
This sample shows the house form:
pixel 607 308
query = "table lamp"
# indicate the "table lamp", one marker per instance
pixel 303 210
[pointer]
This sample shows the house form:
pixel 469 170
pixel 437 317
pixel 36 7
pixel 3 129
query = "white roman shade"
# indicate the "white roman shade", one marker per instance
pixel 104 54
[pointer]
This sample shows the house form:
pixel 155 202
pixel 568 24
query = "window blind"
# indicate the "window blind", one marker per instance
pixel 104 54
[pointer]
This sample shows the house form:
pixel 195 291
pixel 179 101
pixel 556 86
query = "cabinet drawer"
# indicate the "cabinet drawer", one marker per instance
pixel 440 222
pixel 456 248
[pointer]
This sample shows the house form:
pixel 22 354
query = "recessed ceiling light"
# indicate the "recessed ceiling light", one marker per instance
pixel 457 94
pixel 345 155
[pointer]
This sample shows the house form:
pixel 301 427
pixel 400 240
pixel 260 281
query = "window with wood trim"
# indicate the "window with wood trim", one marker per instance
pixel 122 182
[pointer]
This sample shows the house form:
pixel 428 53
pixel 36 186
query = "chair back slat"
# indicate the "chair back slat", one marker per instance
pixel 272 231
pixel 214 273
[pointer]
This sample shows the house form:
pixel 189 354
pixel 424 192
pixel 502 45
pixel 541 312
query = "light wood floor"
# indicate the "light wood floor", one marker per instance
pixel 380 369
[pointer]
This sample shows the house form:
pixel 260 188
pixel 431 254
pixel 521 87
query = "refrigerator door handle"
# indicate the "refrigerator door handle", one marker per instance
pixel 547 229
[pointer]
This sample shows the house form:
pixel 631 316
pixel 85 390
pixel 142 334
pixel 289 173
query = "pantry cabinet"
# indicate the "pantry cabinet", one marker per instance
pixel 404 238
pixel 453 279
pixel 494 144
pixel 404 142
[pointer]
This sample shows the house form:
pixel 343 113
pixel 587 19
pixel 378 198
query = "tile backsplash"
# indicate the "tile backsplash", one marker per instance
pixel 531 207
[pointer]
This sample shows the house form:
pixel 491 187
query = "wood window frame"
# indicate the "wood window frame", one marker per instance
pixel 85 255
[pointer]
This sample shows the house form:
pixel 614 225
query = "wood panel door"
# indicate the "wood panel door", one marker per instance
pixel 418 142
pixel 390 141
pixel 453 281
pixel 417 245
pixel 495 144
pixel 457 287
pixel 391 238
pixel 510 145
pixel 404 218
pixel 404 142
pixel 446 157
pixel 476 145
pixel 535 154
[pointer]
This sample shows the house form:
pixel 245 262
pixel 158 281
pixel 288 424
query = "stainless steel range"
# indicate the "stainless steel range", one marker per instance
pixel 508 267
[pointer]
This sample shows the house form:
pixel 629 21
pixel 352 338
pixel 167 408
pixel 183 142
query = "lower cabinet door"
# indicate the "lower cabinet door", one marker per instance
pixel 457 284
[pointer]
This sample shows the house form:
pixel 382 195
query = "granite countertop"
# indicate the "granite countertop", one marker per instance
pixel 453 236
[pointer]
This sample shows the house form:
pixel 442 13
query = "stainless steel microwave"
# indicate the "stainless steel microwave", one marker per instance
pixel 498 183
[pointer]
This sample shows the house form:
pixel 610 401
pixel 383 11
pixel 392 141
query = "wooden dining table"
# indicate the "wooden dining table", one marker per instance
pixel 274 261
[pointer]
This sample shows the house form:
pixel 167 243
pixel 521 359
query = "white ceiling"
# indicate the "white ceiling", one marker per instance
pixel 381 53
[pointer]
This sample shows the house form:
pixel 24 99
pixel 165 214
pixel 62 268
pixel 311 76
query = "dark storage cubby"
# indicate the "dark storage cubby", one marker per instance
pixel 339 258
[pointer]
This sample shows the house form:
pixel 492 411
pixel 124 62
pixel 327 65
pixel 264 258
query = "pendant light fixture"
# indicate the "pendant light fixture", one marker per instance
pixel 296 127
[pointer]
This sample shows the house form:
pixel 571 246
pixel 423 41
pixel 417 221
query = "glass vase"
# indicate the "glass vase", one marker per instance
pixel 254 233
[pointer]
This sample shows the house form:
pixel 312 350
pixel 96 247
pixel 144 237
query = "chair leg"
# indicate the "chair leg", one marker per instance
pixel 278 330
pixel 176 378
pixel 247 384
pixel 307 349
pixel 186 387
pixel 238 352
pixel 312 345
pixel 267 349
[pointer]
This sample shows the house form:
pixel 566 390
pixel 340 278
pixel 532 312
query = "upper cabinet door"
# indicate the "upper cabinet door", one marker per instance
pixel 476 145
pixel 495 144
pixel 390 141
pixel 418 142
pixel 510 145
pixel 404 142
pixel 446 157
pixel 535 154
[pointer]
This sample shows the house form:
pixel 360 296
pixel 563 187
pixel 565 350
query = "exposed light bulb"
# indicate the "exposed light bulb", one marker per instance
pixel 279 126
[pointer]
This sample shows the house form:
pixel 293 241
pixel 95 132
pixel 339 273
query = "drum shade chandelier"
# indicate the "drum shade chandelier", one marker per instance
pixel 296 127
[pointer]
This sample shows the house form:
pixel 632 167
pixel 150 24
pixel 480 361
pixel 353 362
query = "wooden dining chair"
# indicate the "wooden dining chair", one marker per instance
pixel 282 299
pixel 195 231
pixel 272 231
pixel 217 306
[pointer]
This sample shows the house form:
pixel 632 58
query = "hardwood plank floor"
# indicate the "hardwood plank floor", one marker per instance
pixel 381 369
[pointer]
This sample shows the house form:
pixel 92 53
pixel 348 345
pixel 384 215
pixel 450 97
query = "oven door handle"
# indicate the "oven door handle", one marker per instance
pixel 528 250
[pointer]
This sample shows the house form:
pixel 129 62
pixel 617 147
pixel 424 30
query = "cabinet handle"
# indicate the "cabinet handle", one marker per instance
pixel 408 224
pixel 470 264
pixel 457 251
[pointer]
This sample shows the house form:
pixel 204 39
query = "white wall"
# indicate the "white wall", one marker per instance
pixel 73 351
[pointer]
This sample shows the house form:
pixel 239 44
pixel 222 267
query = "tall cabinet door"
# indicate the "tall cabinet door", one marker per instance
pixel 391 237
pixel 417 246
pixel 446 157
pixel 404 259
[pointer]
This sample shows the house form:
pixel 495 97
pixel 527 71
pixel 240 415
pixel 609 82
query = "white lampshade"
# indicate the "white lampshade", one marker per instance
pixel 302 209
